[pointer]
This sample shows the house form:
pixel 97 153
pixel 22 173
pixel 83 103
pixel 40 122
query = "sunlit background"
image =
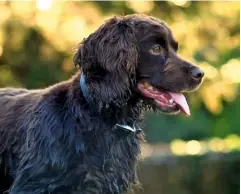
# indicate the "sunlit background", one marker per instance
pixel 183 155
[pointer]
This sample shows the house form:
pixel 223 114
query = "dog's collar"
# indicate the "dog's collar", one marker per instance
pixel 84 88
pixel 125 127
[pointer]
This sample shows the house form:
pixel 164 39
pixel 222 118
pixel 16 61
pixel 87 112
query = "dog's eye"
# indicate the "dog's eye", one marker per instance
pixel 156 49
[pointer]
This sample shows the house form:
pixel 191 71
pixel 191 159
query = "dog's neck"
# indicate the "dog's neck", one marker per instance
pixel 126 116
pixel 127 124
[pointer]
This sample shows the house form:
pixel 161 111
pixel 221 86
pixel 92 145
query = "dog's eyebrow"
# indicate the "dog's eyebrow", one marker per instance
pixel 174 44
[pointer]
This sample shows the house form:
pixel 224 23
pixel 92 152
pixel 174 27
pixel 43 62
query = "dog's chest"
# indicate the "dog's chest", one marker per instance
pixel 108 164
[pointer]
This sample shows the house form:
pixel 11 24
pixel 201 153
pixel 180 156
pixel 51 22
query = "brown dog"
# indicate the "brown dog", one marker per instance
pixel 80 136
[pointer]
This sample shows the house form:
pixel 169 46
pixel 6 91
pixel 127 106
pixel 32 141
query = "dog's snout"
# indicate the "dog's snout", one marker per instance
pixel 197 73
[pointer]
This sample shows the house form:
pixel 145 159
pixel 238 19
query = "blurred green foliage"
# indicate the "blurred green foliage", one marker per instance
pixel 37 41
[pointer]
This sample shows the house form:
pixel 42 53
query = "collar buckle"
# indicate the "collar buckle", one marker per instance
pixel 125 130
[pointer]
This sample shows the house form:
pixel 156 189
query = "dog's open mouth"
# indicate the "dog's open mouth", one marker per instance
pixel 165 99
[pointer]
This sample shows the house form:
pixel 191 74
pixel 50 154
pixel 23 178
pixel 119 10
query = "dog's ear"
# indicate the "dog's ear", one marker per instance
pixel 108 58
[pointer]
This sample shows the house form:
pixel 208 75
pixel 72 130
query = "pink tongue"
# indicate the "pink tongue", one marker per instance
pixel 181 101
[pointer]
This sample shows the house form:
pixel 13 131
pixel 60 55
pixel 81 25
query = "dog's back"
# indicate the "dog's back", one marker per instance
pixel 7 92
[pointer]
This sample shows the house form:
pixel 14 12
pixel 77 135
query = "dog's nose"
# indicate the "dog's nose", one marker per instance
pixel 197 73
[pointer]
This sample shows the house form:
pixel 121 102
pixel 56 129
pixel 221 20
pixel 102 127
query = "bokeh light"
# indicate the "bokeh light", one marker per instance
pixel 44 5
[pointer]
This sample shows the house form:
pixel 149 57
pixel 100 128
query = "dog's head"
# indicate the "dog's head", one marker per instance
pixel 135 57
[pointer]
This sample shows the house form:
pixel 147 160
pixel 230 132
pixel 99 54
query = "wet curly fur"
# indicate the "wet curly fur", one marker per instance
pixel 52 141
